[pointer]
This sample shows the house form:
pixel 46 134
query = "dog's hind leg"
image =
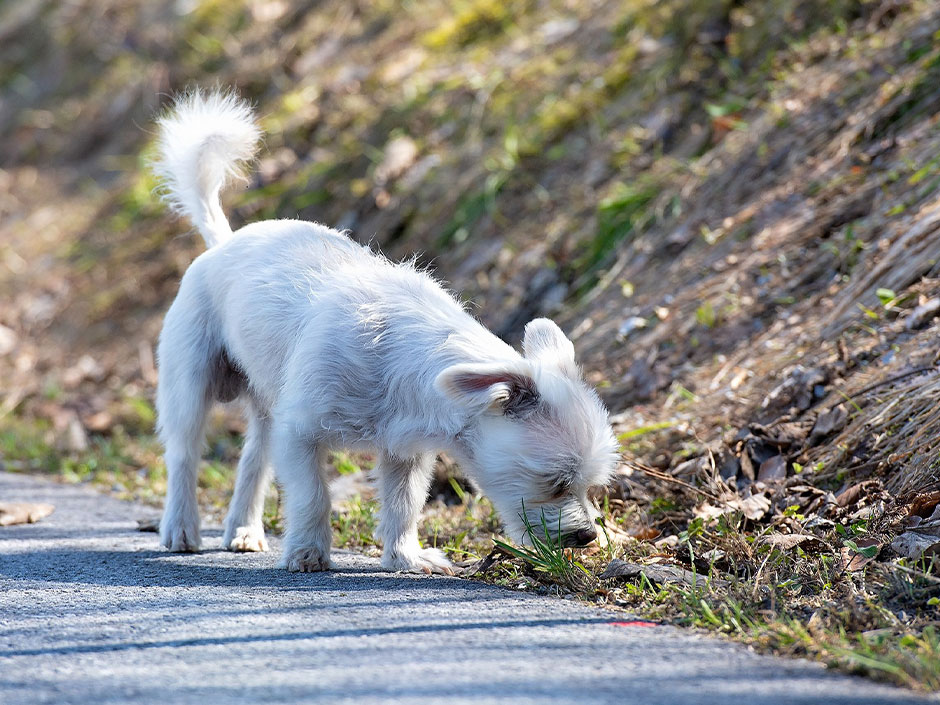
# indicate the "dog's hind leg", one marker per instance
pixel 182 412
pixel 243 528
pixel 403 490
pixel 300 465
pixel 189 366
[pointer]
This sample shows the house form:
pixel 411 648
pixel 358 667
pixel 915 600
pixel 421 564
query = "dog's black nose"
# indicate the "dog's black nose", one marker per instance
pixel 582 537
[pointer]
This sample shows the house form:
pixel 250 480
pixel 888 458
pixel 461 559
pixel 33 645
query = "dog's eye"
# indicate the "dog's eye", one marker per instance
pixel 559 488
pixel 562 482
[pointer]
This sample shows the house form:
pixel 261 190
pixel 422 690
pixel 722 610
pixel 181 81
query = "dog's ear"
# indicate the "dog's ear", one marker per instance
pixel 502 387
pixel 544 341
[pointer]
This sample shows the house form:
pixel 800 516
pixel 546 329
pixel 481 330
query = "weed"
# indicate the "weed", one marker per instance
pixel 643 430
pixel 706 316
pixel 471 208
pixel 354 527
pixel 475 20
pixel 547 555
pixel 620 215
pixel 344 464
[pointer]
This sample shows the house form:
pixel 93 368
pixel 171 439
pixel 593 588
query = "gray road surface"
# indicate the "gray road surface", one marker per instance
pixel 92 612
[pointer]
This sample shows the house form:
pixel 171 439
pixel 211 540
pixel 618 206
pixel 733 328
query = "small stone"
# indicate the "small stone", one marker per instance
pixel 630 325
pixel 8 340
pixel 923 314
pixel 77 438
pixel 86 368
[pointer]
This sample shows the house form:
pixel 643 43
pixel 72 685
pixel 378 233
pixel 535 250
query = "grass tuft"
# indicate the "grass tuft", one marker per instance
pixel 547 555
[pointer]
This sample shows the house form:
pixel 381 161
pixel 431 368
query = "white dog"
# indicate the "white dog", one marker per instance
pixel 334 346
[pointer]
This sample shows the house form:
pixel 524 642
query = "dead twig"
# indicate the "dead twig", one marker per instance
pixel 666 477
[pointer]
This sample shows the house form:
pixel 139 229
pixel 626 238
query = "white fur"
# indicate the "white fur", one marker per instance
pixel 335 346
pixel 203 142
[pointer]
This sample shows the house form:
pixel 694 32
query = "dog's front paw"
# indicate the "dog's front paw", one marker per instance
pixel 421 560
pixel 179 535
pixel 308 559
pixel 245 539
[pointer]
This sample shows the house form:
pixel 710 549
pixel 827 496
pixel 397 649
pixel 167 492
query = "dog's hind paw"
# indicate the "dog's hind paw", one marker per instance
pixel 245 539
pixel 180 539
pixel 423 560
pixel 309 559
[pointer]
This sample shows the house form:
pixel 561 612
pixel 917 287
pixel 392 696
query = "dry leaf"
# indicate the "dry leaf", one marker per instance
pixel 867 489
pixel 853 560
pixel 23 512
pixel 609 533
pixel 754 507
pixel 772 469
pixel 914 545
pixel 827 423
pixel 98 422
pixel 925 505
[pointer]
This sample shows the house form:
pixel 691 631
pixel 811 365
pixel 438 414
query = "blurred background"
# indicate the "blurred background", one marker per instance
pixel 731 206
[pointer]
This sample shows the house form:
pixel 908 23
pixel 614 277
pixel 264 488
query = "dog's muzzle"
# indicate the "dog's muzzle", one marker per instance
pixel 581 537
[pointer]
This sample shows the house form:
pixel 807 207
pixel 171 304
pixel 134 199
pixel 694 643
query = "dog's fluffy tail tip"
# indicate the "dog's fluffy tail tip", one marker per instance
pixel 205 139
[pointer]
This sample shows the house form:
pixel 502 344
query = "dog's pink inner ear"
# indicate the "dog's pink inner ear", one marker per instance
pixel 485 385
pixel 471 382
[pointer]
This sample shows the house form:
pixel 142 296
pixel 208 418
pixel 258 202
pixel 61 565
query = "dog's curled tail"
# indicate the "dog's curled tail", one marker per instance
pixel 204 140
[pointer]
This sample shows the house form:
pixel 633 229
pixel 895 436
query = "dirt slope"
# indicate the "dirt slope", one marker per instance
pixel 705 192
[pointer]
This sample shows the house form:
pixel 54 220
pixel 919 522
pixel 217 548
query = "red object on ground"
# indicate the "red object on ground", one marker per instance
pixel 636 623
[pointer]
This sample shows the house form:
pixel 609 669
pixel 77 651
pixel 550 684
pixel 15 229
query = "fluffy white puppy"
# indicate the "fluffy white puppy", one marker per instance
pixel 334 346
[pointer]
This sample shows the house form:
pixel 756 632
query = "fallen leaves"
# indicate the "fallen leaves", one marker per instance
pixel 772 469
pixel 858 553
pixel 912 544
pixel 922 524
pixel 828 422
pixel 798 389
pixel 23 512
pixel 753 507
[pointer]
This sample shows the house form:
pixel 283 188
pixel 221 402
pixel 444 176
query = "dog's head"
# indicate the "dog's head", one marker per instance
pixel 538 438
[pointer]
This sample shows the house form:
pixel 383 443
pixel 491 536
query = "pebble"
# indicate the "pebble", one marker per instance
pixel 923 314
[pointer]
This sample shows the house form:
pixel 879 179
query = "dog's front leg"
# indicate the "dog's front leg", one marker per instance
pixel 299 464
pixel 403 489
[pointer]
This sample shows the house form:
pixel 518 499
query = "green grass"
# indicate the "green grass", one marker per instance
pixel 548 556
pixel 475 20
pixel 354 527
pixel 789 602
pixel 620 216
pixel 634 433
pixel 129 465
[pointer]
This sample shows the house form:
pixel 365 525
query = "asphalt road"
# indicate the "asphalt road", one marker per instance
pixel 92 612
